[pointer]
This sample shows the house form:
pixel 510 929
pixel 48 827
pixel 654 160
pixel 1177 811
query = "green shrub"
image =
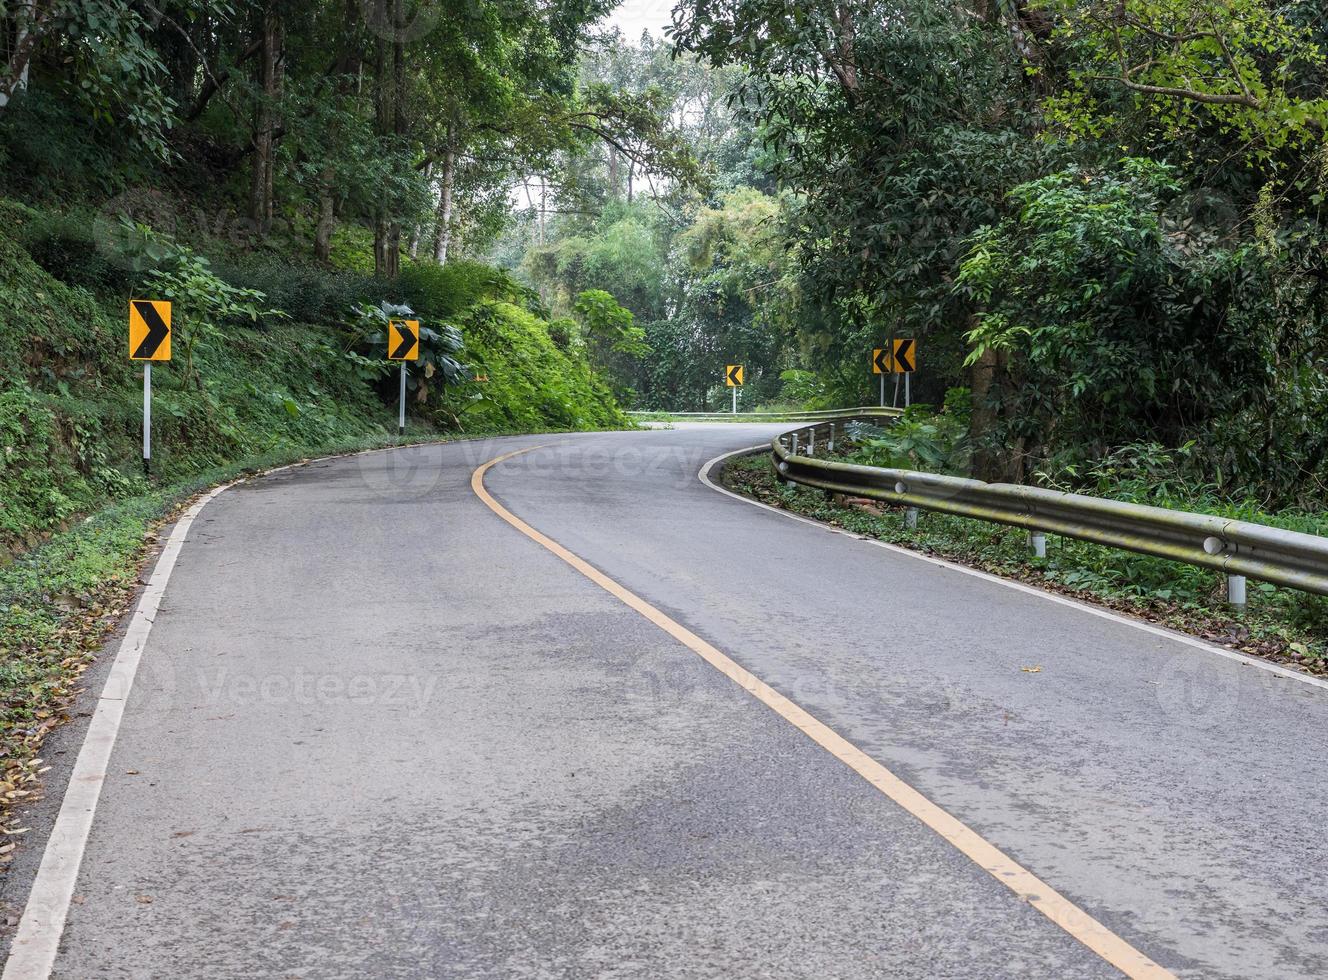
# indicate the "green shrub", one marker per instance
pixel 922 439
pixel 446 290
pixel 40 486
pixel 804 389
pixel 64 243
pixel 437 364
pixel 309 293
pixel 531 383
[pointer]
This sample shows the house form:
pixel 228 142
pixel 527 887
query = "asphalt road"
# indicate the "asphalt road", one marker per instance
pixel 377 732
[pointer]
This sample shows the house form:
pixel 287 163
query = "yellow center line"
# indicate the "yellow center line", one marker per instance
pixel 1055 906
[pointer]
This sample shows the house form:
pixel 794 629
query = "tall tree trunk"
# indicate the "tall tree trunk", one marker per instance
pixel 398 121
pixel 383 125
pixel 26 35
pixel 391 88
pixel 544 201
pixel 348 64
pixel 1002 463
pixel 443 234
pixel 614 189
pixel 417 229
pixel 261 178
pixel 843 58
pixel 982 423
pixel 327 218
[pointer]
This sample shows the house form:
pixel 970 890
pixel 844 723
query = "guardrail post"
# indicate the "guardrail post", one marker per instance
pixel 811 441
pixel 1236 590
pixel 794 448
pixel 911 517
pixel 1038 542
pixel 830 447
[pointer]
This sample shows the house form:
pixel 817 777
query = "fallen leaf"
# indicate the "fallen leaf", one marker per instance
pixel 143 899
pixel 1031 670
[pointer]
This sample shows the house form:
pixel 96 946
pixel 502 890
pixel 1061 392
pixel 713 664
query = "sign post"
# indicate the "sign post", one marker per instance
pixel 403 344
pixel 401 403
pixel 881 364
pixel 147 419
pixel 149 340
pixel 733 378
pixel 903 359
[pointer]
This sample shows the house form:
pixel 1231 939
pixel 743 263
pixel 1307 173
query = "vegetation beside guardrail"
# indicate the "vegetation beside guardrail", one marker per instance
pixel 869 412
pixel 1235 548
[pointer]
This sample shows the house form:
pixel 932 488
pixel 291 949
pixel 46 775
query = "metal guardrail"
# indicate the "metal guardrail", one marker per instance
pixel 866 412
pixel 1235 548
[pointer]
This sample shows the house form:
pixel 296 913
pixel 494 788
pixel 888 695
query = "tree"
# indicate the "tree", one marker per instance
pixel 1238 65
pixel 898 127
pixel 105 61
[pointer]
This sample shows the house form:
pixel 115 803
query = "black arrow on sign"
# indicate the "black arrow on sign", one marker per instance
pixel 734 370
pixel 882 360
pixel 408 340
pixel 904 356
pixel 157 330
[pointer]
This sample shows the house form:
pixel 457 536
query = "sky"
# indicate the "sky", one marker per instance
pixel 634 16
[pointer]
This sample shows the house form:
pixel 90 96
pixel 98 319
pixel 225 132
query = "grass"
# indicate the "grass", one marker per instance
pixel 1281 625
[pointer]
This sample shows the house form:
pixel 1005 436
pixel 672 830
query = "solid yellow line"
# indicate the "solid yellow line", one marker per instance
pixel 986 855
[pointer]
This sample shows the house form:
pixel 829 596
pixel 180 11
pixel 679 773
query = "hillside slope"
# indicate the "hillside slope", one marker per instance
pixel 71 402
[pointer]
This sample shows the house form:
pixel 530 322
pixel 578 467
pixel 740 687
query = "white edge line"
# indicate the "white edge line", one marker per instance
pixel 37 940
pixel 1240 658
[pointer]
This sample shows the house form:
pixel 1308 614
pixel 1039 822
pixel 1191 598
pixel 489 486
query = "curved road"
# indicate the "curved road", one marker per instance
pixel 377 731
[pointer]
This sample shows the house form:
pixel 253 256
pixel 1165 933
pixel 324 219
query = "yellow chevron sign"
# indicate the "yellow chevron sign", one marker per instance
pixel 904 356
pixel 403 340
pixel 149 330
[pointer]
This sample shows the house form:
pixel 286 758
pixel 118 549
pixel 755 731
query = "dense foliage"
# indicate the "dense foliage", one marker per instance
pixel 1104 219
pixel 290 176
